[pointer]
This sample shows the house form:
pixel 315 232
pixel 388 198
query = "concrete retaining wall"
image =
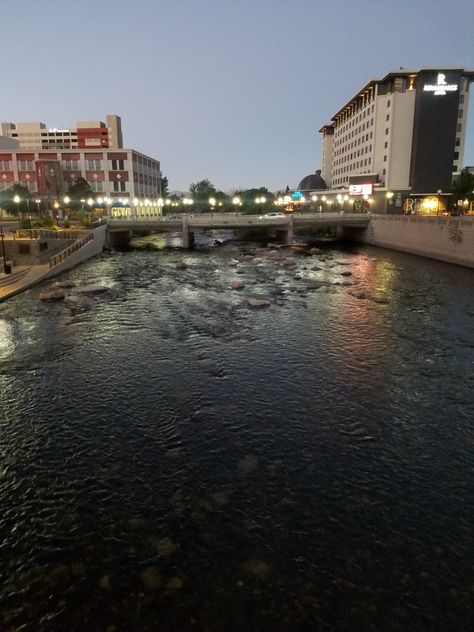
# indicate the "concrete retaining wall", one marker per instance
pixel 90 249
pixel 449 239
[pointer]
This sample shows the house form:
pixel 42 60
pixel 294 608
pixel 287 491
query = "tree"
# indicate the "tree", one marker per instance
pixel 463 186
pixel 164 186
pixel 248 197
pixel 7 195
pixel 79 190
pixel 201 192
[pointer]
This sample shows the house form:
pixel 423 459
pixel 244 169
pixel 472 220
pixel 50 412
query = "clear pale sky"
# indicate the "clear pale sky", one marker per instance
pixel 230 90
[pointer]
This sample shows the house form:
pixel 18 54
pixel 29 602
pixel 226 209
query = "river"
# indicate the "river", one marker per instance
pixel 173 459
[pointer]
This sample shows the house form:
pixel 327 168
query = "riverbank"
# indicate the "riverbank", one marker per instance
pixel 23 277
pixel 449 239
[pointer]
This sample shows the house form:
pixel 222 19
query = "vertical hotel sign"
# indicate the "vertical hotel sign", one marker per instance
pixel 441 86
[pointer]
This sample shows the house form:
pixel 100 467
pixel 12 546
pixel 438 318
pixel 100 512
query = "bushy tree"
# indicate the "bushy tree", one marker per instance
pixel 463 186
pixel 164 186
pixel 7 195
pixel 248 197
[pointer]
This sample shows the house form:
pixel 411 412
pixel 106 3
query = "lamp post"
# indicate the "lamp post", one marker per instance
pixel 17 200
pixel 212 202
pixel 38 202
pixel 260 201
pixel 6 268
pixel 67 199
pixel 56 207
pixel 437 206
pixel 236 202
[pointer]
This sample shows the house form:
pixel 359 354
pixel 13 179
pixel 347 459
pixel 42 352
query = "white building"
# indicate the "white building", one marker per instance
pixel 404 132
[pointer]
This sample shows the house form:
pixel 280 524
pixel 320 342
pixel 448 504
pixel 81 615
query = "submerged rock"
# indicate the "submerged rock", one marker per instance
pixel 151 578
pixel 175 583
pixel 65 284
pixel 166 547
pixel 180 265
pixel 93 289
pixel 258 302
pixel 52 295
pixel 237 286
pixel 248 464
pixel 258 568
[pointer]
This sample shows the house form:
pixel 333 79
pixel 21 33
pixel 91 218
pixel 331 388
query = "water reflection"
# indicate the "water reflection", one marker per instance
pixel 171 456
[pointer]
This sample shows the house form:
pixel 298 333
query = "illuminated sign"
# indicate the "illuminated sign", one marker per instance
pixel 296 195
pixel 361 189
pixel 441 87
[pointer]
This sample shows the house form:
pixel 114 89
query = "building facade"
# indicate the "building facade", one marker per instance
pixel 404 132
pixel 48 165
pixel 86 135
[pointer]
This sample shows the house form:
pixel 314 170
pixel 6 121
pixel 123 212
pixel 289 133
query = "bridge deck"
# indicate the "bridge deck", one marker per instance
pixel 209 221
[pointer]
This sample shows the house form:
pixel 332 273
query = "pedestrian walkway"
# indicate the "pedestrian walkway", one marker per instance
pixel 21 278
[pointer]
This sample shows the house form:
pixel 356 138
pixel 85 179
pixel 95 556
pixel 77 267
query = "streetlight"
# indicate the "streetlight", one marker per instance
pixel 67 199
pixel 260 201
pixel 236 202
pixel 38 202
pixel 437 207
pixel 56 206
pixel 212 202
pixel 17 200
pixel 6 268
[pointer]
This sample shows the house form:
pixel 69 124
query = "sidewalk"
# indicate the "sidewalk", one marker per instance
pixel 21 278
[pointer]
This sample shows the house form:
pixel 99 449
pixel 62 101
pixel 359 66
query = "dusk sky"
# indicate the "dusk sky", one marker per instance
pixel 230 90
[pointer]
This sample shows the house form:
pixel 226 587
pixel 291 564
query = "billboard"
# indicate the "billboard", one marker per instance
pixel 361 189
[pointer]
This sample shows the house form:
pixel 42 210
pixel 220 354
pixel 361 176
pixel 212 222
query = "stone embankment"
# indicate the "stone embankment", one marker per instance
pixel 449 239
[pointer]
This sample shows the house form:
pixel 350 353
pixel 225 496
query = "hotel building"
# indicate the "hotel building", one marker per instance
pixel 402 133
pixel 47 161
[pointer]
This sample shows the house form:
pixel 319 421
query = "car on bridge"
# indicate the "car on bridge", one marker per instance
pixel 271 215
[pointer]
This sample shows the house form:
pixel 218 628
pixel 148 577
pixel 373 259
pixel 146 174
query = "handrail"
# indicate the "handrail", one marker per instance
pixel 232 218
pixel 64 254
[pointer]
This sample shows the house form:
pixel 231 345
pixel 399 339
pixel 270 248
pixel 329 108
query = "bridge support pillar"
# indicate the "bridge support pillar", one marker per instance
pixel 287 234
pixel 188 236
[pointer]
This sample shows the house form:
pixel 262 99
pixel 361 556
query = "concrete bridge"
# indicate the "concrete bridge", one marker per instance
pixel 120 228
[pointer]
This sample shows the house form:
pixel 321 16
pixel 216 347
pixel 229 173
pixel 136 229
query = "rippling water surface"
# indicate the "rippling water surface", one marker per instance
pixel 172 459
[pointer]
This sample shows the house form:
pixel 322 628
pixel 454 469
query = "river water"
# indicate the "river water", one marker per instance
pixel 172 459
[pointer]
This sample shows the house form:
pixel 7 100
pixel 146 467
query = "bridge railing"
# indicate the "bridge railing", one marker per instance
pixel 233 218
pixel 64 254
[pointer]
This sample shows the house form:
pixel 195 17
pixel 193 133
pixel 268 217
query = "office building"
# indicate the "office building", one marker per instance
pixel 48 162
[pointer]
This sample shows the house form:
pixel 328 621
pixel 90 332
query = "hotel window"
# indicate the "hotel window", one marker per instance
pixel 384 172
pixel 387 117
pixel 117 165
pixel 385 158
pixel 461 98
pixel 459 127
pixel 386 144
pixel 458 142
pixel 25 165
pixel 386 131
pixel 70 165
pixel 388 103
pixel 96 185
pixel 4 165
pixel 119 186
pixel 460 113
pixel 94 165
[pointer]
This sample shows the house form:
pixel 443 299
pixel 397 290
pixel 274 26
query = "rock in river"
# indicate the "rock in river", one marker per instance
pixel 53 295
pixel 258 302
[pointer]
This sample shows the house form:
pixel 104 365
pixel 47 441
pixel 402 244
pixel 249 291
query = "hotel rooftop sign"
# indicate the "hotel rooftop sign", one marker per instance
pixel 441 87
